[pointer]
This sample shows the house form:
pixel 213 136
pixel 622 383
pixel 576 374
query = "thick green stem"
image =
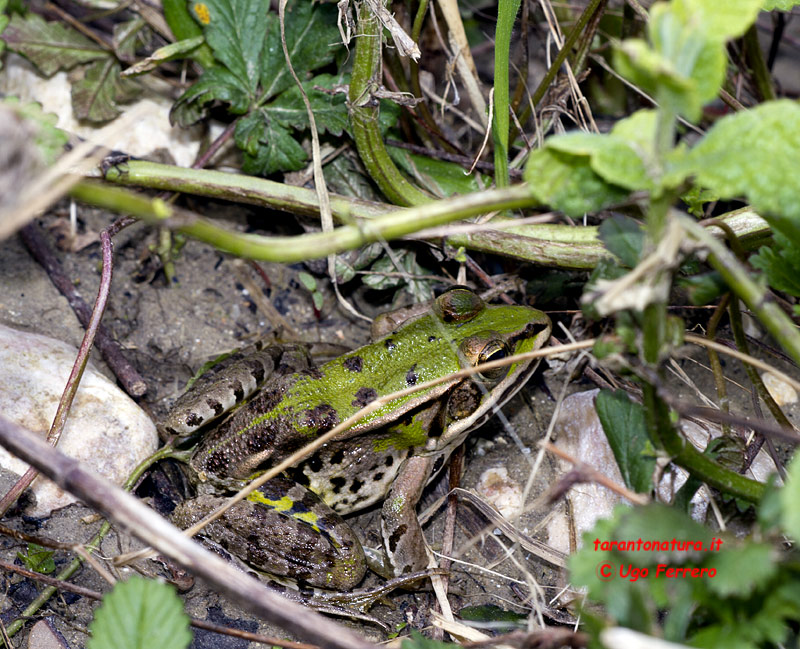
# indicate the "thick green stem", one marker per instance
pixel 752 52
pixel 365 109
pixel 687 456
pixel 308 246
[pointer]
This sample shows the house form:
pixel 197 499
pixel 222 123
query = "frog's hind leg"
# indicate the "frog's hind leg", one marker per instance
pixel 284 529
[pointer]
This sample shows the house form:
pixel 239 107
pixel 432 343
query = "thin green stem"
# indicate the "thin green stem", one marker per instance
pixel 754 56
pixel 506 16
pixel 714 362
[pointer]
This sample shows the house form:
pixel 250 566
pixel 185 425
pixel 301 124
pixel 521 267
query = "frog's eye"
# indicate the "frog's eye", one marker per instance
pixel 494 350
pixel 458 304
pixel 482 348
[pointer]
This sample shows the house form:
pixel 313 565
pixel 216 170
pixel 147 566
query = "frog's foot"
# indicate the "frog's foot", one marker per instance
pixel 352 604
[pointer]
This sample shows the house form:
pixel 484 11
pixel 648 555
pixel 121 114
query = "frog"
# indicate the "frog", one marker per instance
pixel 292 527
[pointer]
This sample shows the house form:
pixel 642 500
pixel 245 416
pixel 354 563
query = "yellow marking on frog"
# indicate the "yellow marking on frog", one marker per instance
pixel 202 12
pixel 285 505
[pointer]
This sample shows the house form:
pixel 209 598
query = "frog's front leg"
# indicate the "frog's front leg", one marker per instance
pixel 403 540
pixel 283 529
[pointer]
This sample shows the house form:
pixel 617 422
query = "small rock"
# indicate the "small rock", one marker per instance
pixel 497 488
pixel 780 390
pixel 105 430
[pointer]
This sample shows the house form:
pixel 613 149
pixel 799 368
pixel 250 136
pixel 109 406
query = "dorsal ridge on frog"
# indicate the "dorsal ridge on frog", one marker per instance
pixel 392 452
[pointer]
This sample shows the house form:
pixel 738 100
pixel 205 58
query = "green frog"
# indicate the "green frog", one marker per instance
pixel 292 527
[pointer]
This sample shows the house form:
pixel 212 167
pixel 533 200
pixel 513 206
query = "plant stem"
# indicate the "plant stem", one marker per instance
pixel 506 16
pixel 395 224
pixel 688 457
pixel 365 110
pixel 755 296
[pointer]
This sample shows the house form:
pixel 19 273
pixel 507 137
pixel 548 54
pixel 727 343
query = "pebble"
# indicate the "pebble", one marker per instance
pixel 105 430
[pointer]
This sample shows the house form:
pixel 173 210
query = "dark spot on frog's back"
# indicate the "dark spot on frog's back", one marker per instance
pixel 431 339
pixel 411 376
pixel 353 363
pixel 530 331
pixel 389 344
pixel 322 418
pixel 355 486
pixel 337 457
pixel 364 396
pixel 215 405
pixel 337 482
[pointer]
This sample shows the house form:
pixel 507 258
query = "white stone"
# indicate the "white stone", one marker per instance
pixel 105 430
pixel 780 390
pixel 497 488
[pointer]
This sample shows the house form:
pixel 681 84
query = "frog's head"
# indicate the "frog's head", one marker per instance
pixel 487 333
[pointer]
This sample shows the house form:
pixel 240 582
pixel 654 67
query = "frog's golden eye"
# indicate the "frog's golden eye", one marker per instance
pixel 494 350
pixel 458 304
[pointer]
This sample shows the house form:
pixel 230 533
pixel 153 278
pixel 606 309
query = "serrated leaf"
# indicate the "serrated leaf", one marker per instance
pixel 568 183
pixel 163 54
pixel 235 29
pixel 95 96
pixel 50 46
pixel 330 111
pixel 731 579
pixel 268 147
pixel 140 613
pixel 756 154
pixel 216 84
pixel 624 426
pixel 311 38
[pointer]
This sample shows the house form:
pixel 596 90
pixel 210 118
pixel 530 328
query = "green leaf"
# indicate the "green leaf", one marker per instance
pixel 3 24
pixel 492 613
pixel 742 570
pixel 268 147
pixel 790 499
pixel 704 289
pixel 38 559
pixel 216 84
pixel 624 426
pixel 720 20
pixel 235 30
pixel 780 262
pixel 49 140
pixel 780 5
pixel 95 96
pixel 419 641
pixel 163 54
pixel 180 21
pixel 50 46
pixel 330 110
pixel 440 177
pixel 140 613
pixel 756 154
pixel 623 237
pixel 311 38
pixel 567 182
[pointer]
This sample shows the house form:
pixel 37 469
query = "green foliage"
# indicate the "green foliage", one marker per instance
pixel 419 641
pixel 623 237
pixel 3 25
pixel 49 140
pixel 755 154
pixel 50 46
pixel 439 177
pixel 310 284
pixel 38 559
pixel 747 598
pixel 624 426
pixel 790 500
pixel 140 613
pixel 252 78
pixel 491 613
pixel 780 263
